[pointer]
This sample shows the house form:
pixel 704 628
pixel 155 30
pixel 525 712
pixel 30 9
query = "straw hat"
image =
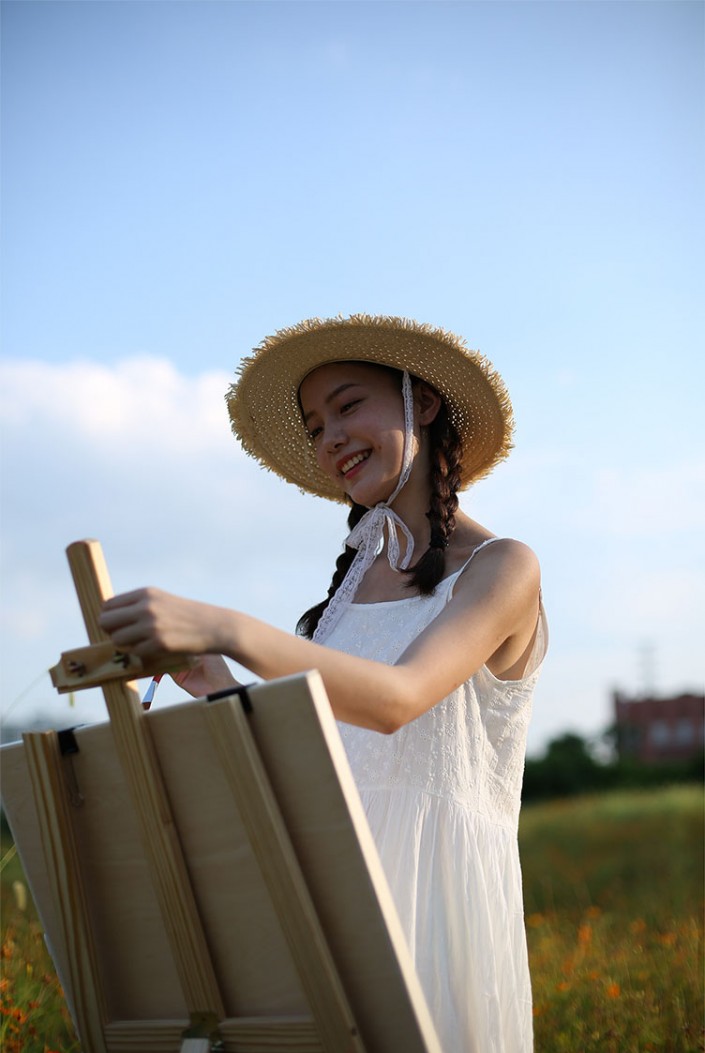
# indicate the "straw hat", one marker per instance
pixel 266 416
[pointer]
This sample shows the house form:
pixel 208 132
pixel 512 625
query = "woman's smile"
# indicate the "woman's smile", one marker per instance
pixel 347 465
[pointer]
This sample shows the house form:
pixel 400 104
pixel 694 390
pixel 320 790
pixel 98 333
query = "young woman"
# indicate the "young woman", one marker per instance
pixel 429 642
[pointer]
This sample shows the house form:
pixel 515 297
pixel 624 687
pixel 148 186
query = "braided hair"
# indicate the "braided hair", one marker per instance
pixel 446 454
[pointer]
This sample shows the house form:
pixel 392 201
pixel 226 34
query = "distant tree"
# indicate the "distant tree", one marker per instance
pixel 573 765
pixel 567 768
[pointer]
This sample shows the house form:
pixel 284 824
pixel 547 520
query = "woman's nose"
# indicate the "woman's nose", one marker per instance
pixel 334 435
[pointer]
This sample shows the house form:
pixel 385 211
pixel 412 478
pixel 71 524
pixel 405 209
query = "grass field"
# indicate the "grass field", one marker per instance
pixel 614 913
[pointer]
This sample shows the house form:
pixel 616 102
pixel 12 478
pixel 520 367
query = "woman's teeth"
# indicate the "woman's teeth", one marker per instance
pixel 345 468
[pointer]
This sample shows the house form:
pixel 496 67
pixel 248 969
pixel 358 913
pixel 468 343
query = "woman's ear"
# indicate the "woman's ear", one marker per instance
pixel 428 402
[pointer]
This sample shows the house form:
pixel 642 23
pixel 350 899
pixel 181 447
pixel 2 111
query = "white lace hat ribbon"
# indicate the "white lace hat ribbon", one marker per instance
pixel 367 536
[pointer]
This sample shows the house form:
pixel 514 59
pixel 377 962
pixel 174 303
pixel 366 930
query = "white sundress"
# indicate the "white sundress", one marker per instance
pixel 442 797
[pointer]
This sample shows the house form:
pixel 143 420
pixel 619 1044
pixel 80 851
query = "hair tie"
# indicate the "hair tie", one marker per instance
pixel 438 540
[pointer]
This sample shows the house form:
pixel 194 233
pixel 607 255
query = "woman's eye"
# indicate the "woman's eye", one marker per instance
pixel 348 405
pixel 314 433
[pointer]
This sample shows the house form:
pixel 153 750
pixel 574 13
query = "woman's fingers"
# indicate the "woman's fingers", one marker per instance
pixel 126 599
pixel 131 620
pixel 210 674
pixel 149 621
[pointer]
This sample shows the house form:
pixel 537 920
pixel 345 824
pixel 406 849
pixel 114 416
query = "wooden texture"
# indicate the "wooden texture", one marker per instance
pixel 92 666
pixel 233 743
pixel 267 1008
pixel 246 1035
pixel 134 747
pixel 215 869
pixel 297 737
pixel 67 887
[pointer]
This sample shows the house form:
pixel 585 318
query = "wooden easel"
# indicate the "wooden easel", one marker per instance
pixel 204 872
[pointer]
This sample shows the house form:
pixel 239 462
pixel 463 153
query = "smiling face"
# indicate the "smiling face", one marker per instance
pixel 354 414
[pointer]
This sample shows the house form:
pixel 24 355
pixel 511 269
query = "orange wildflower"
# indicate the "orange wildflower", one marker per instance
pixel 614 991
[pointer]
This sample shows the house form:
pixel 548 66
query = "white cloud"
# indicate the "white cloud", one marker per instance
pixel 139 401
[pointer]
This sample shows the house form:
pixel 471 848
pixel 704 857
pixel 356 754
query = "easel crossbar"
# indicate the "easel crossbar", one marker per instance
pixel 238 1035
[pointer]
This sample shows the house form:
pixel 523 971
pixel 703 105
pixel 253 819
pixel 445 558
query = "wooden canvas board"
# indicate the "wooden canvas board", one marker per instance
pixel 309 780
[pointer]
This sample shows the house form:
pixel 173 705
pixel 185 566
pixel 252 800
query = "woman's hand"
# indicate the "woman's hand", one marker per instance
pixel 149 622
pixel 211 674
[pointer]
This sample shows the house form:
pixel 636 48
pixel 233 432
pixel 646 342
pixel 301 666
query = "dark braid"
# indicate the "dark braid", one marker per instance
pixel 306 625
pixel 446 453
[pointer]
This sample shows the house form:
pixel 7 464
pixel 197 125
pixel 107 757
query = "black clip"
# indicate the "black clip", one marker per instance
pixel 241 693
pixel 67 742
pixel 68 748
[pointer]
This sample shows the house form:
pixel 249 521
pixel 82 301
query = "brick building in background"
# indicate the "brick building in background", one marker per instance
pixel 651 730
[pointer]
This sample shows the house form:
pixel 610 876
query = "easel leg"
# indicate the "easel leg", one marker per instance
pixel 54 815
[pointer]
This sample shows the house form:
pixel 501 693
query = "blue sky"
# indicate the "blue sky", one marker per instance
pixel 180 179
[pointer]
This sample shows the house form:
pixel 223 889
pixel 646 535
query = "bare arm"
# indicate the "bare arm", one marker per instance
pixel 493 613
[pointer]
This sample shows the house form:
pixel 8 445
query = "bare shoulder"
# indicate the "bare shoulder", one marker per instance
pixel 506 564
pixel 513 553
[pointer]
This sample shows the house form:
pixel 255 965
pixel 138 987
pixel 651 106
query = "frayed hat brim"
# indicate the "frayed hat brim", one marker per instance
pixel 266 416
